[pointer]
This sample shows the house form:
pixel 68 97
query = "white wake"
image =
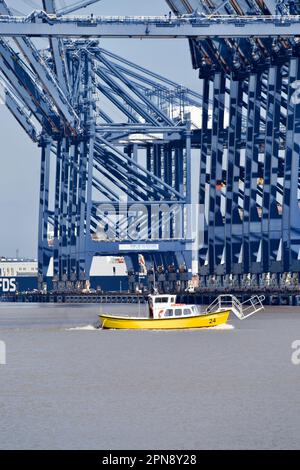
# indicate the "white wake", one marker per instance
pixel 226 326
pixel 83 328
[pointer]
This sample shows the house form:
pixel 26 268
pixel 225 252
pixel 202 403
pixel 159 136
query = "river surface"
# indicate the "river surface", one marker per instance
pixel 67 385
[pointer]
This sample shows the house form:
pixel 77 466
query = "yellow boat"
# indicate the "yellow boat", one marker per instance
pixel 165 314
pixel 138 323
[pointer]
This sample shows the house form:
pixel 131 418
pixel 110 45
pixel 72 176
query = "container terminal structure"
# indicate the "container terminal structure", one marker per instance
pixel 120 144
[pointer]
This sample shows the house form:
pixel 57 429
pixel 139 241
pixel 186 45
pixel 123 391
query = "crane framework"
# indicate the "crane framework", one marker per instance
pixel 120 145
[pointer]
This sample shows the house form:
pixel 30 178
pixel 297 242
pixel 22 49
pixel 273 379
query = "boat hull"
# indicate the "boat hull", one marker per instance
pixel 130 323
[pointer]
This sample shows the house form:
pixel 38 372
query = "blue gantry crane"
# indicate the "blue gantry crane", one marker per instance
pixel 120 145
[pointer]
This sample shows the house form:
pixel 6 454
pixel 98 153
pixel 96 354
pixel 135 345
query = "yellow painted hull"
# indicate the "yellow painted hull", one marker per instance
pixel 135 323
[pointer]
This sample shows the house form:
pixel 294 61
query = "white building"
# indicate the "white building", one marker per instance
pixel 17 267
pixel 101 266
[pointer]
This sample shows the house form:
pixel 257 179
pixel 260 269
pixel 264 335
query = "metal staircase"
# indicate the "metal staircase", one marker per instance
pixel 241 310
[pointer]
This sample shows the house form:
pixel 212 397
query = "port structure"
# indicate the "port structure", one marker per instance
pixel 115 143
pixel 245 143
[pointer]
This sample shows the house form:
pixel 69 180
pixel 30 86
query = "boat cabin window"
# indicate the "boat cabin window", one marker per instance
pixel 168 313
pixel 179 312
pixel 161 300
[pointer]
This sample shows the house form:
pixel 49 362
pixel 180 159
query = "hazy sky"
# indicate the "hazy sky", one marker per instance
pixel 20 158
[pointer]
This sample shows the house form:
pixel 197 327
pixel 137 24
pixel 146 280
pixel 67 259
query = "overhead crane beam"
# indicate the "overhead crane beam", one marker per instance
pixel 39 24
